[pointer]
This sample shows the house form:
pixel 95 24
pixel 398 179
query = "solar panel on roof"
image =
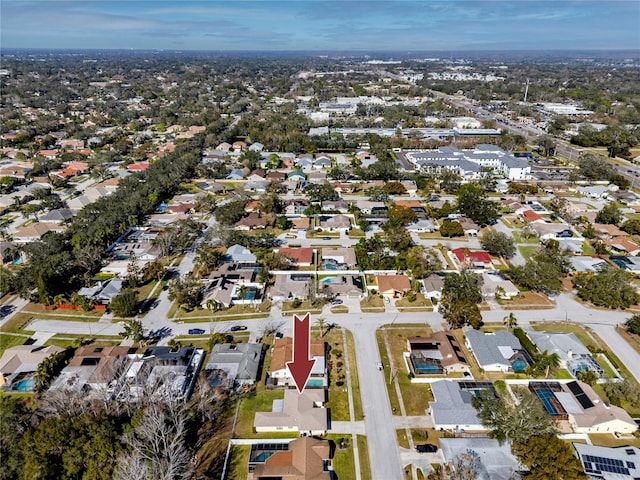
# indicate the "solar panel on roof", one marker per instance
pixel 577 392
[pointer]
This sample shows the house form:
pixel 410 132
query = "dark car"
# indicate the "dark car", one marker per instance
pixel 237 328
pixel 336 301
pixel 326 238
pixel 196 331
pixel 426 448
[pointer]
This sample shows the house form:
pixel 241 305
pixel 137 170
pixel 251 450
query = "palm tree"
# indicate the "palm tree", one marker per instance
pixel 510 321
pixel 320 322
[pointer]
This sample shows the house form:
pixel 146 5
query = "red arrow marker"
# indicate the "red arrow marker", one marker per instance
pixel 300 367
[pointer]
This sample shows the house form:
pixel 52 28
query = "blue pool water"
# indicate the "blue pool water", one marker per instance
pixel 24 385
pixel 263 456
pixel 519 365
pixel 315 382
pixel 17 261
pixel 250 295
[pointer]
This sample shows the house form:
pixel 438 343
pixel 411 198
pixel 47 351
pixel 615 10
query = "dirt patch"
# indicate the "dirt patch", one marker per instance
pixel 528 301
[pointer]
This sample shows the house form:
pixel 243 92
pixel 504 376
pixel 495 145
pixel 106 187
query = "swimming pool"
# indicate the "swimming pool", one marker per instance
pixel 315 382
pixel 25 385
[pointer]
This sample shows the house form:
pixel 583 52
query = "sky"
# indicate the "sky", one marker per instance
pixel 345 25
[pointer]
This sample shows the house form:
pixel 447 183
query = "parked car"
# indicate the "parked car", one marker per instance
pixel 237 328
pixel 427 448
pixel 196 331
pixel 326 238
pixel 336 301
pixel 380 366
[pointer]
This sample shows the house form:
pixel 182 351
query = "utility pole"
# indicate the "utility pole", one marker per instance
pixel 526 91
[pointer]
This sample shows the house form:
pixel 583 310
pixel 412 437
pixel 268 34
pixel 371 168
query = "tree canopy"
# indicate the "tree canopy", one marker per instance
pixel 609 288
pixel 498 243
pixel 473 203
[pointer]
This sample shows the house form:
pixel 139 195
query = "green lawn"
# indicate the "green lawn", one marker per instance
pixel 8 341
pixel 365 466
pixel 260 401
pixel 343 460
pixel 239 462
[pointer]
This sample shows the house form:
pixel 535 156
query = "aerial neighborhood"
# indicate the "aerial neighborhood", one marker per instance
pixel 467 260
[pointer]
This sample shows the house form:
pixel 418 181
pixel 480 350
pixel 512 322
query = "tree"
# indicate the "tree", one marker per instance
pixel 610 214
pixel 510 321
pixel 230 212
pixel 125 304
pixel 509 422
pixel 394 188
pixel 587 376
pixel 633 324
pixel 321 322
pixel 320 192
pixel 498 243
pixel 547 144
pixel 460 297
pixel 134 330
pixel 547 457
pixel 544 271
pixel 185 292
pixel 422 261
pixel 400 215
pixel 14 421
pixel 625 391
pixel 451 229
pixel 610 287
pixel 631 226
pixel 544 363
pixel 398 237
pixel 466 466
pixel 472 203
pixel 48 368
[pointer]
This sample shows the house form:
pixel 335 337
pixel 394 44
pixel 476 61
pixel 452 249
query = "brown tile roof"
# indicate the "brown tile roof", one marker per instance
pixel 303 461
pixel 283 352
pixel 397 283
pixel 298 255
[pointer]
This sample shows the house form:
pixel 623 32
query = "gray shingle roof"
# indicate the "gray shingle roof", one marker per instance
pixel 487 346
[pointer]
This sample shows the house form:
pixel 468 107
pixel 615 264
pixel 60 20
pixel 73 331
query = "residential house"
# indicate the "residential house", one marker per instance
pixel 93 369
pixel 58 216
pixel 276 176
pixel 573 355
pixel 366 206
pixel 496 462
pixel 338 258
pixel 631 264
pixel 239 254
pixel 302 459
pixel 232 284
pixel 583 264
pixel 497 352
pixel 551 231
pixel 253 221
pixel 532 217
pixel 256 147
pixel 282 352
pixel 422 226
pixel 35 231
pixel 494 284
pixel 303 413
pixel 609 463
pixel 597 191
pixel 103 293
pixel 337 205
pixel 393 286
pixel 585 411
pixel 238 363
pixel 470 227
pixel 224 147
pixel 162 373
pixel 18 366
pixel 322 161
pixel 334 223
pixel 619 245
pixel 300 224
pixel 348 286
pixel 239 146
pixel 299 257
pixel 476 259
pixel 291 286
pixel 256 176
pixel 410 186
pixel 439 354
pixel 297 176
pixel 8 252
pixel 452 409
pixel 433 285
pixel 235 174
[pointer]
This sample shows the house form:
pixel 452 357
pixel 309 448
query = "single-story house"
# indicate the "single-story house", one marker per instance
pixel 334 223
pixel 439 353
pixel 609 463
pixel 477 259
pixel 303 413
pixel 19 364
pixel 452 408
pixel 302 257
pixel 492 282
pixel 302 458
pixel 291 286
pixel 282 352
pixel 496 462
pixel 582 264
pixel 393 286
pixel 338 256
pixel 433 286
pixel 573 355
pixel 349 286
pixel 239 254
pixel 240 362
pixel 497 352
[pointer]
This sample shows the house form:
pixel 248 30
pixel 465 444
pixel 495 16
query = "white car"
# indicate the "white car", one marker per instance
pixel 380 366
